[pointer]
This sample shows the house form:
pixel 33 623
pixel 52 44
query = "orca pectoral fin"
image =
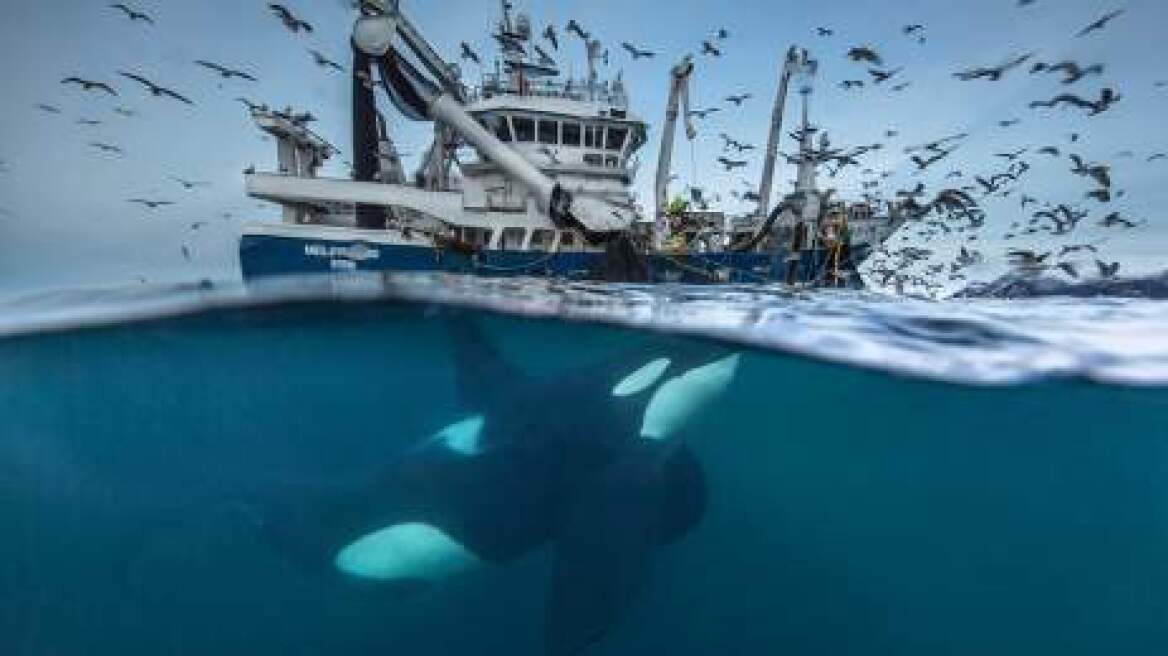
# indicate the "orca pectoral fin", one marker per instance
pixel 675 403
pixel 603 551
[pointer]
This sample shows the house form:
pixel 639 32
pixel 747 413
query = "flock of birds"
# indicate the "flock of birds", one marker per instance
pixel 952 212
pixel 956 211
pixel 551 37
pixel 114 89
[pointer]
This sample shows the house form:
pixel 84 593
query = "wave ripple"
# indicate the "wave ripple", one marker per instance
pixel 970 341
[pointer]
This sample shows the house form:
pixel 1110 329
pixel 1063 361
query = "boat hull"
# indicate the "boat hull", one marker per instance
pixel 270 255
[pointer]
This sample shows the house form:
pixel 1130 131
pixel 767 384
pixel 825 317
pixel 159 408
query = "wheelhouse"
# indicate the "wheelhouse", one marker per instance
pixel 565 142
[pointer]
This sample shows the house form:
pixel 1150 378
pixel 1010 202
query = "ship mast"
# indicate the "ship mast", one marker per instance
pixel 593 46
pixel 795 60
pixel 507 27
pixel 510 38
pixel 805 180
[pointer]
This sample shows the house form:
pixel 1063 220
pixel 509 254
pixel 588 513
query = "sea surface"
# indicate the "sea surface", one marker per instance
pixel 885 476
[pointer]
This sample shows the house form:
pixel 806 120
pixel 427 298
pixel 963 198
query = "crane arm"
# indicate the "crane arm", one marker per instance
pixel 796 61
pixel 375 29
pixel 679 78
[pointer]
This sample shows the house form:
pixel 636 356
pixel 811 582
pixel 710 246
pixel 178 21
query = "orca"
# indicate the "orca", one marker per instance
pixel 590 462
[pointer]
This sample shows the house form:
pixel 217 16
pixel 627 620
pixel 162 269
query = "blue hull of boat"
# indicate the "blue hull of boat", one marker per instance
pixel 264 256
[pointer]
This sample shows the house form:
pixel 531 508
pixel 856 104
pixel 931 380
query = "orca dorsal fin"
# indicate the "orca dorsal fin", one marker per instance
pixel 482 375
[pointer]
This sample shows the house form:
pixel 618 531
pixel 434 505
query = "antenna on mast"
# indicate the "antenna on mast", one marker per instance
pixel 594 55
pixel 507 6
pixel 805 180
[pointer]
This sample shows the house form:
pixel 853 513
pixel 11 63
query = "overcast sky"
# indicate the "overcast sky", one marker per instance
pixel 64 219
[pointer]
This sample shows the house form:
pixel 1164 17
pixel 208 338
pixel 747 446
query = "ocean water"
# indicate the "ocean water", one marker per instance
pixel 884 476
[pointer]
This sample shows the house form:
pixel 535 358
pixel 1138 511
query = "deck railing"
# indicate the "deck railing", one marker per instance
pixel 607 93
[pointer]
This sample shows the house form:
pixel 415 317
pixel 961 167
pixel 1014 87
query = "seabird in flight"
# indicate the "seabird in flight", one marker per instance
pixel 226 73
pixel 636 52
pixel 133 14
pixel 1101 23
pixel 324 62
pixel 289 19
pixel 90 85
pixel 156 90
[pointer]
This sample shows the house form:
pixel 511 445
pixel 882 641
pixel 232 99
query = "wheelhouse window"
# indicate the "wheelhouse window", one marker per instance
pixel 567 240
pixel 513 238
pixel 542 239
pixel 593 136
pixel 572 134
pixel 502 128
pixel 549 132
pixel 592 159
pixel 616 138
pixel 474 236
pixel 524 129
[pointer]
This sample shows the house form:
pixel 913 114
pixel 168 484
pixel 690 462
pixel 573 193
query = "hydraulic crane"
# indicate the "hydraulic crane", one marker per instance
pixel 797 62
pixel 679 77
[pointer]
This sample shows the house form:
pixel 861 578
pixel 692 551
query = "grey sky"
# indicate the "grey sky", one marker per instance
pixel 65 220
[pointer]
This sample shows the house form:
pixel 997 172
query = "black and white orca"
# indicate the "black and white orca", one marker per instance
pixel 589 462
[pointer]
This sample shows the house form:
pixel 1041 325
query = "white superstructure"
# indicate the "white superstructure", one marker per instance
pixel 553 165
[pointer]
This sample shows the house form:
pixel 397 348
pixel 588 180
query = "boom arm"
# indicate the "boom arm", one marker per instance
pixel 796 60
pixel 371 34
pixel 374 34
pixel 678 97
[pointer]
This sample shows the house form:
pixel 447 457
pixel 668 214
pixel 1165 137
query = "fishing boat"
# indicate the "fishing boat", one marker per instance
pixel 531 173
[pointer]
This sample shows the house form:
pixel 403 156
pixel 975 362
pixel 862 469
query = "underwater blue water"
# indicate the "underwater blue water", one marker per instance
pixel 885 477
